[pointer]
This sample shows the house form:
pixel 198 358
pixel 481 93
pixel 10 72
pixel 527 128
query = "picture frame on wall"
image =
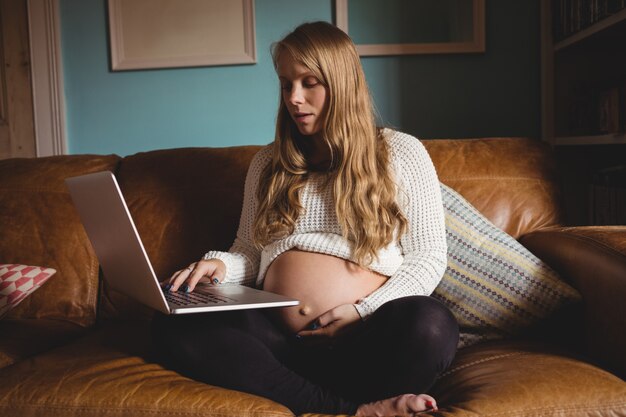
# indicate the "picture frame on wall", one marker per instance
pixel 400 27
pixel 148 34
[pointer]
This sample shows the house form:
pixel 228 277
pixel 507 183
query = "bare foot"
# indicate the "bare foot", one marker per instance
pixel 402 405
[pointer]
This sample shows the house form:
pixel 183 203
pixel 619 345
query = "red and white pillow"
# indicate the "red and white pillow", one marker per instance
pixel 18 281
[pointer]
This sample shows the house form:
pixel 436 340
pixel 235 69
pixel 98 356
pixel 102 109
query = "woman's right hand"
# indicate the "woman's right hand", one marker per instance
pixel 210 270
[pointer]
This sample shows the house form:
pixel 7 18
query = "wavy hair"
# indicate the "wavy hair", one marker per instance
pixel 364 189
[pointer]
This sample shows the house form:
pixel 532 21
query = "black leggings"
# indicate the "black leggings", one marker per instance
pixel 400 349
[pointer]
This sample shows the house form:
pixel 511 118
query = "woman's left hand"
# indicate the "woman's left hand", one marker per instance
pixel 333 322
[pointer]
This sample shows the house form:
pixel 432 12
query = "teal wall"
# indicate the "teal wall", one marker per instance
pixel 430 96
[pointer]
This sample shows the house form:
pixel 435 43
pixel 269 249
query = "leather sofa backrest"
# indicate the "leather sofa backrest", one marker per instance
pixel 184 202
pixel 187 201
pixel 512 181
pixel 39 226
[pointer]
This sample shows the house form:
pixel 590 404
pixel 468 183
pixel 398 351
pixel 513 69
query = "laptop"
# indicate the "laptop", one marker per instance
pixel 125 264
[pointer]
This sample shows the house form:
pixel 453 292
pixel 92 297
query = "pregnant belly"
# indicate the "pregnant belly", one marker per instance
pixel 321 282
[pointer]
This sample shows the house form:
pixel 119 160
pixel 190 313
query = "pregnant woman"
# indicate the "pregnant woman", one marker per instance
pixel 348 219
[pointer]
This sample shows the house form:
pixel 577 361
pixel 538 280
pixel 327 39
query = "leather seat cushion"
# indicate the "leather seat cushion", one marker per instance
pixel 527 379
pixel 109 373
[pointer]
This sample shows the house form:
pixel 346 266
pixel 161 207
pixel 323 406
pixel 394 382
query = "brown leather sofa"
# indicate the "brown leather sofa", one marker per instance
pixel 76 348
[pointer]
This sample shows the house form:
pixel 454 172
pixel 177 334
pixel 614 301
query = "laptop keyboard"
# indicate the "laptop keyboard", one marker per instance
pixel 185 299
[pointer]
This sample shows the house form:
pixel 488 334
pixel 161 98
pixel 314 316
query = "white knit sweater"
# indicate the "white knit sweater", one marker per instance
pixel 415 263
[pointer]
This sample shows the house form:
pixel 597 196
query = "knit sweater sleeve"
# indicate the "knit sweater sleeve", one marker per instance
pixel 424 243
pixel 243 258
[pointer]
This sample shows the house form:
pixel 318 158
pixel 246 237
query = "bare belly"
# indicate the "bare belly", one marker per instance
pixel 321 282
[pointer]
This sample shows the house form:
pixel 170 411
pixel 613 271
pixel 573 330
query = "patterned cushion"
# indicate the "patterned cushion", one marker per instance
pixel 493 284
pixel 18 281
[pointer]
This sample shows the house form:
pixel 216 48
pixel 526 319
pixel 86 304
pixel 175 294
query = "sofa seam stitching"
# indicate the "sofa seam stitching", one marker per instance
pixel 139 410
pixel 595 243
pixel 609 407
pixel 479 361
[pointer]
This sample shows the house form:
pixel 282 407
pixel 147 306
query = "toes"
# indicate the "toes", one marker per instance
pixel 401 405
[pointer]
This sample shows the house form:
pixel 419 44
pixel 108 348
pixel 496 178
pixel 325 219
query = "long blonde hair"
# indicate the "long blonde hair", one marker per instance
pixel 364 190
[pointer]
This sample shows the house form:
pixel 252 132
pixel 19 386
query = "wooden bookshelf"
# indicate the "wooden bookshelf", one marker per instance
pixel 583 76
pixel 578 73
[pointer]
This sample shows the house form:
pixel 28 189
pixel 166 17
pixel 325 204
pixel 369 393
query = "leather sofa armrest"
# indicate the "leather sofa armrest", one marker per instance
pixel 593 260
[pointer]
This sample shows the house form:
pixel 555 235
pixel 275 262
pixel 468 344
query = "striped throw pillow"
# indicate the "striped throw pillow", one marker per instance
pixel 493 285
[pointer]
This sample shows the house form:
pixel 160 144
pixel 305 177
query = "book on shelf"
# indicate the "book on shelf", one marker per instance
pixel 608 197
pixel 609 111
pixel 596 111
pixel 622 107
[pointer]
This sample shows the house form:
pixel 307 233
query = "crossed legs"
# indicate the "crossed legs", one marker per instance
pixel 400 349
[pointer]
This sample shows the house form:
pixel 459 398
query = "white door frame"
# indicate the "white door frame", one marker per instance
pixel 47 77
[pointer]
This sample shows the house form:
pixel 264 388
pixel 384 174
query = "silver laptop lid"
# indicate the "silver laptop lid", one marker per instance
pixel 114 237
